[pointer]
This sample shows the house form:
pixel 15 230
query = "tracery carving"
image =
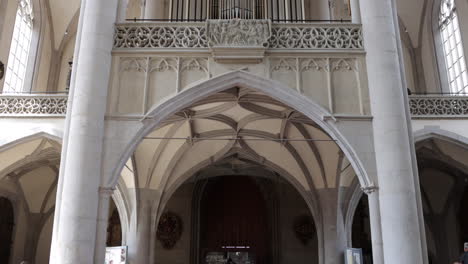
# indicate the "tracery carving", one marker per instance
pixel 163 64
pixel 439 106
pixel 283 65
pixel 314 65
pixel 33 105
pixel 343 65
pixel 133 64
pixel 316 37
pixel 160 36
pixel 238 32
pixel 194 64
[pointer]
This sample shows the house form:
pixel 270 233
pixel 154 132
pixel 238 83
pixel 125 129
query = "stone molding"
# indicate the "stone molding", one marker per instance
pixel 439 106
pixel 33 105
pixel 302 36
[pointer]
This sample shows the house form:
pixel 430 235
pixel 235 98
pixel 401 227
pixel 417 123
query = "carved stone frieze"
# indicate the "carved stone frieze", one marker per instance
pixel 439 106
pixel 238 33
pixel 27 105
pixel 238 40
pixel 174 35
pixel 316 37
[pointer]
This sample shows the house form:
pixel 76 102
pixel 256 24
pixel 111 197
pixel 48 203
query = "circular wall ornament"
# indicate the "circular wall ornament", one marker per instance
pixel 169 229
pixel 304 228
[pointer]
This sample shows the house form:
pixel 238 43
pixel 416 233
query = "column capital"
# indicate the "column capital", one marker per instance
pixel 369 189
pixel 106 191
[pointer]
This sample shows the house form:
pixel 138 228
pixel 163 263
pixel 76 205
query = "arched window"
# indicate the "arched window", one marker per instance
pixel 453 48
pixel 19 49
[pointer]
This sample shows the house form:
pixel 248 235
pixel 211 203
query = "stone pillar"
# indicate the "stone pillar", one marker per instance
pixel 75 240
pixel 397 189
pixel 376 230
pixel 334 234
pixel 102 222
pixel 140 235
pixel 154 9
pixel 355 12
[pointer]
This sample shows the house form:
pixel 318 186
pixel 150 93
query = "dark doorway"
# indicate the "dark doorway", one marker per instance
pixel 361 233
pixel 234 217
pixel 7 221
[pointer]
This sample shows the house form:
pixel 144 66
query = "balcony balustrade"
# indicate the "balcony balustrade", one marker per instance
pixel 33 105
pixel 55 105
pixel 198 35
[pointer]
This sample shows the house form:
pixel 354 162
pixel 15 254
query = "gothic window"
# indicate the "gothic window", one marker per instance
pixel 453 48
pixel 19 49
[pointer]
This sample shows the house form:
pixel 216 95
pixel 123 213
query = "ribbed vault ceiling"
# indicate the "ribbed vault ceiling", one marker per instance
pixel 238 129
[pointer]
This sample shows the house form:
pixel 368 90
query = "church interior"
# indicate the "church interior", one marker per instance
pixel 233 131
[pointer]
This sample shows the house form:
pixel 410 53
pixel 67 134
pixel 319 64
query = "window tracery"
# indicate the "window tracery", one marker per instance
pixel 19 49
pixel 453 48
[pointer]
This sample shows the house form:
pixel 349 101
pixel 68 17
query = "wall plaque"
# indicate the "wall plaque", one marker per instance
pixel 169 230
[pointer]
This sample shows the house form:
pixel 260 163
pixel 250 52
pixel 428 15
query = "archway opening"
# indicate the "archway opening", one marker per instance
pixel 241 132
pixel 361 231
pixel 248 219
pixel 443 173
pixel 114 227
pixel 7 222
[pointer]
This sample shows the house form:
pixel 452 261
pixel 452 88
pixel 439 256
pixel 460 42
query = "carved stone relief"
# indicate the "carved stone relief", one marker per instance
pixel 238 40
pixel 170 229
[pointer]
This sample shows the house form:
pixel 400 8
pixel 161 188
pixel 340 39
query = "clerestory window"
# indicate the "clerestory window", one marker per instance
pixel 19 49
pixel 453 48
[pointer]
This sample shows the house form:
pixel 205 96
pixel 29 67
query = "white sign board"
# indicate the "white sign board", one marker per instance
pixel 353 256
pixel 116 255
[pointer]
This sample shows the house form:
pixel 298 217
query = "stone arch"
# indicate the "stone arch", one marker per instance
pixel 240 79
pixel 26 135
pixel 442 134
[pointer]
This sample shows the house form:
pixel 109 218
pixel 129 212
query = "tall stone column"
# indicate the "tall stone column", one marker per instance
pixel 376 230
pixel 397 189
pixel 102 222
pixel 75 235
pixel 154 9
pixel 142 234
pixel 334 234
